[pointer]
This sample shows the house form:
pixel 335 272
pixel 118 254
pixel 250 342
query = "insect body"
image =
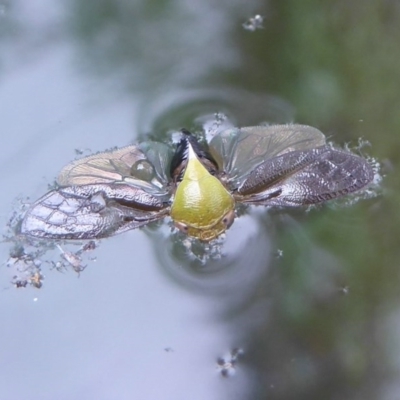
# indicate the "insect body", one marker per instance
pixel 202 206
pixel 112 192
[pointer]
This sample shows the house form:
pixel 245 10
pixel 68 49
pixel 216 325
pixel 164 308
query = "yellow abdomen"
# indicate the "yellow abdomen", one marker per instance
pixel 202 207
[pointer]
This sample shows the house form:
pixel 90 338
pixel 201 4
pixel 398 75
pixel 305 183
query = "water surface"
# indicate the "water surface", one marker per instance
pixel 290 304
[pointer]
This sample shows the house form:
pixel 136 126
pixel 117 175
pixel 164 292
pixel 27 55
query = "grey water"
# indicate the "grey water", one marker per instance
pixel 290 304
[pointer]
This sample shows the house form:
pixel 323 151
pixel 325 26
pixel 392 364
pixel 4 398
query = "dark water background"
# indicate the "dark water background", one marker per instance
pixel 310 299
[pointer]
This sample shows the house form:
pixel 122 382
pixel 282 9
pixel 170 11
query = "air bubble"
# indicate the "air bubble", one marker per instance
pixel 143 170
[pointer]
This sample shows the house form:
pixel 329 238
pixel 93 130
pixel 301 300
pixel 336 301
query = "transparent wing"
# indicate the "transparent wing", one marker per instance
pixel 305 177
pixel 143 166
pixel 91 211
pixel 159 156
pixel 239 150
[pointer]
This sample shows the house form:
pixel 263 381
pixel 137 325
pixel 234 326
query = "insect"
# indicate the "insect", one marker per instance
pixel 196 185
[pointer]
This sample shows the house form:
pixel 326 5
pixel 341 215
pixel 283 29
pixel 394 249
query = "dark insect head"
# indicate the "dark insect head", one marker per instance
pixel 180 158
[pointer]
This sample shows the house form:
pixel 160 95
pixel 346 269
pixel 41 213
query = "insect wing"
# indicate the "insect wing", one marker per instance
pixel 129 164
pixel 239 151
pixel 277 169
pixel 88 211
pixel 159 156
pixel 101 168
pixel 308 177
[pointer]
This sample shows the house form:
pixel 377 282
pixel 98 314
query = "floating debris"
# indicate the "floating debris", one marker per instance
pixel 344 290
pixel 81 151
pixel 28 257
pixel 25 266
pixel 254 23
pixel 227 365
pixel 213 124
pixel 19 283
pixel 36 279
pixel 28 276
pixel 91 245
pixel 73 259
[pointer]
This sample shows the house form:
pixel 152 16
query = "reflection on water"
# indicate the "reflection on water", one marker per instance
pixel 194 109
pixel 311 299
pixel 229 266
pixel 161 47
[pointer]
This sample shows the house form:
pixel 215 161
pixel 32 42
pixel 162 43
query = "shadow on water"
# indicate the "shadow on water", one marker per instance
pixel 307 302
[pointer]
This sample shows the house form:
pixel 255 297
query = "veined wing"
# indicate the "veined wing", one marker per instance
pixel 143 166
pixel 238 151
pixel 305 177
pixel 91 211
